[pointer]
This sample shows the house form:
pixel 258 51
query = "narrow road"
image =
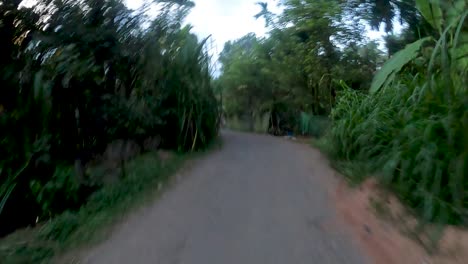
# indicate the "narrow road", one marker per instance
pixel 258 200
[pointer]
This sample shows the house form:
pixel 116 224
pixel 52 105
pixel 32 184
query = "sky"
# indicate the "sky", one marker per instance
pixel 228 20
pixel 224 20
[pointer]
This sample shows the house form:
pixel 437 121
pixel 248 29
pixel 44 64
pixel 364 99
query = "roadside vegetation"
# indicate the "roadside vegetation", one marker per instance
pixel 90 92
pixel 73 230
pixel 410 129
pixel 399 113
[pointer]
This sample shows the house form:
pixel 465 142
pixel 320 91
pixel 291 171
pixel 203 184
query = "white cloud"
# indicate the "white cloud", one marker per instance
pixel 378 36
pixel 224 20
pixel 28 3
pixel 228 20
pixel 134 4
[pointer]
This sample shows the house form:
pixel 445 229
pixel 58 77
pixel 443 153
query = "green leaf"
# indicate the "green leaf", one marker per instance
pixel 5 196
pixel 432 12
pixel 460 45
pixel 396 63
pixel 455 11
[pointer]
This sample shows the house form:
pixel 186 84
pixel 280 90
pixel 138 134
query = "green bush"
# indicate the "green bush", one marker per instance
pixel 104 208
pixel 88 76
pixel 315 126
pixel 258 124
pixel 236 123
pixel 411 130
pixel 262 123
pixel 59 193
pixel 418 146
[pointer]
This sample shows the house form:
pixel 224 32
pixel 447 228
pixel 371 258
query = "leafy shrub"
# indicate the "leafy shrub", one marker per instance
pixel 103 208
pixel 417 146
pixel 262 123
pixel 88 75
pixel 315 126
pixel 411 129
pixel 61 192
pixel 236 123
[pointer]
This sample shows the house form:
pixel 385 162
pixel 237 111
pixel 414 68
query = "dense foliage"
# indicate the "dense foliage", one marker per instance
pixel 78 75
pixel 298 67
pixel 412 128
pixel 405 120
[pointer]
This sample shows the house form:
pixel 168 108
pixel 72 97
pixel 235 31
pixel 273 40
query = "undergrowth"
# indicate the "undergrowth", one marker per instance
pixel 411 128
pixel 257 124
pixel 413 139
pixel 313 125
pixel 105 207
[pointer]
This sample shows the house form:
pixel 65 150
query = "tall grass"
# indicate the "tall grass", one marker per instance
pixel 90 76
pixel 413 132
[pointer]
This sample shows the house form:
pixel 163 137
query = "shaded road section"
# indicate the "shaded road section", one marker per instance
pixel 257 200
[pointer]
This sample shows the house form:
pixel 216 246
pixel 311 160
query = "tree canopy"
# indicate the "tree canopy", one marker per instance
pixel 78 75
pixel 400 115
pixel 310 49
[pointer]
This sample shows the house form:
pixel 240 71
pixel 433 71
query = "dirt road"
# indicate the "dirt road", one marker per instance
pixel 258 200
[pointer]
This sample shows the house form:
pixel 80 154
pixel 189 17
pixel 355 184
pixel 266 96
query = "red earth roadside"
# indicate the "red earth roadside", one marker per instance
pixel 382 227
